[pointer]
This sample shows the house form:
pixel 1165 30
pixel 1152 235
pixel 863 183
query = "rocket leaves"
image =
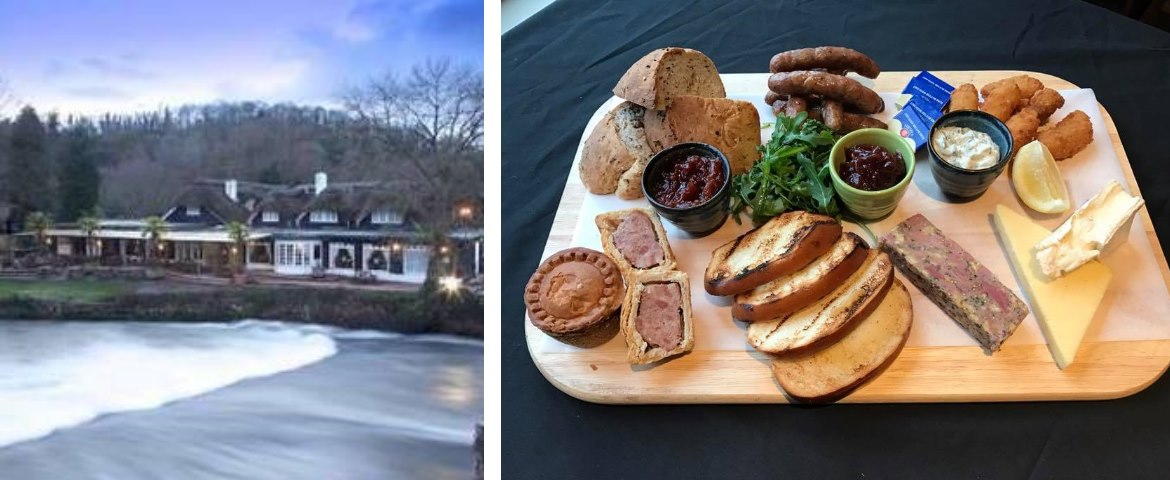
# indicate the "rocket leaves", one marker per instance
pixel 793 173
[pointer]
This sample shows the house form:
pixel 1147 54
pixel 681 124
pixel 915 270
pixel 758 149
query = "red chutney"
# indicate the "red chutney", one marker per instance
pixel 871 167
pixel 688 182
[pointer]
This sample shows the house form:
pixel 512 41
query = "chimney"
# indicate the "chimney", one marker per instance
pixel 231 189
pixel 320 181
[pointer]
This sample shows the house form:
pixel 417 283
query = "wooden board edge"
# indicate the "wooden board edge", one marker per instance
pixel 564 215
pixel 865 395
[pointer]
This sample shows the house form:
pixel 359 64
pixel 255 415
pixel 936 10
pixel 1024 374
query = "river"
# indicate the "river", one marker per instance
pixel 243 400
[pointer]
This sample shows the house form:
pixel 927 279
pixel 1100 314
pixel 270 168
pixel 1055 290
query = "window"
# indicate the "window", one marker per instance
pixel 416 261
pixel 269 216
pixel 323 216
pixel 193 211
pixel 291 254
pixel 396 259
pixel 383 217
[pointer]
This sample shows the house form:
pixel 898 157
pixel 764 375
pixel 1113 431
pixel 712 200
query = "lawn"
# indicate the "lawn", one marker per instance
pixel 63 290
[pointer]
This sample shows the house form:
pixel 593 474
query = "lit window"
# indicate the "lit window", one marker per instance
pixel 323 216
pixel 193 211
pixel 270 217
pixel 383 217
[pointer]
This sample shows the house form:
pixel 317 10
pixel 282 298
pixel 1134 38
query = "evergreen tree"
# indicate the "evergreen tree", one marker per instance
pixel 80 181
pixel 27 178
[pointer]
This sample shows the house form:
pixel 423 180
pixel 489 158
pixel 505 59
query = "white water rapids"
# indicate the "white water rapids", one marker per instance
pixel 251 399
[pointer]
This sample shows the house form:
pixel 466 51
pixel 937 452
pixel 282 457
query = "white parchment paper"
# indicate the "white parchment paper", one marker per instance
pixel 1136 306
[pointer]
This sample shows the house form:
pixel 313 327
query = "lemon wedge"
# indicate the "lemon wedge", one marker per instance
pixel 1037 180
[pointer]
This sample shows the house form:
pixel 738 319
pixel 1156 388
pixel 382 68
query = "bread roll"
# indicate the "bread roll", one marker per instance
pixel 732 126
pixel 657 78
pixel 615 145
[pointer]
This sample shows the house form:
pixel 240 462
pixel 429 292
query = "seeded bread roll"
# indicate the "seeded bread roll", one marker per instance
pixel 660 76
pixel 732 126
pixel 616 144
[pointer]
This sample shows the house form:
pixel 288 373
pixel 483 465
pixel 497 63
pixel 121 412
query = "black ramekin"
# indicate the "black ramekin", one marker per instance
pixel 700 220
pixel 960 182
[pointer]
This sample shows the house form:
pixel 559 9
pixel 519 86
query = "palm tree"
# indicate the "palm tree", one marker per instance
pixel 238 233
pixel 89 225
pixel 440 264
pixel 40 224
pixel 153 230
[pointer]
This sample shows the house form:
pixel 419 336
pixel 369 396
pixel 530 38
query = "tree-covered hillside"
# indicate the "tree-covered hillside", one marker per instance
pixel 423 132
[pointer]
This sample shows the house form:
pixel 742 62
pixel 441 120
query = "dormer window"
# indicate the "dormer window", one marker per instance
pixel 269 216
pixel 386 217
pixel 193 211
pixel 323 216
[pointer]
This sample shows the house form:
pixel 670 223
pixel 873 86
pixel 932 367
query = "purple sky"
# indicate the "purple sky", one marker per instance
pixel 94 56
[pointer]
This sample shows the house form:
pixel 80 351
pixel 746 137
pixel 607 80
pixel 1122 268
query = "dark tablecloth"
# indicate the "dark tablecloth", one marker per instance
pixel 559 66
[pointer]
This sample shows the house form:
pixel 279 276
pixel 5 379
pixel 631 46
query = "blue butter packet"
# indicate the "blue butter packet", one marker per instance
pixel 933 80
pixel 927 110
pixel 911 127
pixel 922 88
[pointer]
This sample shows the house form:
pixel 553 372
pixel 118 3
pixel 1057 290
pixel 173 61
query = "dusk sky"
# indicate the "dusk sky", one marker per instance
pixel 95 56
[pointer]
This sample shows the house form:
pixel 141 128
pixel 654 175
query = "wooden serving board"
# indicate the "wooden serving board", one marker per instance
pixel 922 373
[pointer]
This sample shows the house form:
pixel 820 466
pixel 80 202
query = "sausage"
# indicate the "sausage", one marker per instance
pixel 841 122
pixel 783 108
pixel 833 87
pixel 771 97
pixel 833 59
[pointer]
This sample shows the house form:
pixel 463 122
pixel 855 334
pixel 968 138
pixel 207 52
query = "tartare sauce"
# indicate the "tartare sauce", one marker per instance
pixel 965 148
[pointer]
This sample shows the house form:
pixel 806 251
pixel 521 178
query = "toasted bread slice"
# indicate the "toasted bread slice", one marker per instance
pixel 829 373
pixel 609 222
pixel 783 245
pixel 816 323
pixel 644 346
pixel 798 289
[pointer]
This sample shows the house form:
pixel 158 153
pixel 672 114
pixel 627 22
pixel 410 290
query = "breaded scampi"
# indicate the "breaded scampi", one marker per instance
pixel 964 98
pixel 1044 102
pixel 1023 126
pixel 1071 135
pixel 1028 85
pixel 1002 101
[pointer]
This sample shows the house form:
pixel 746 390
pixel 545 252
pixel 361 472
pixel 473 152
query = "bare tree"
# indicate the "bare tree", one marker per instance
pixel 439 104
pixel 425 132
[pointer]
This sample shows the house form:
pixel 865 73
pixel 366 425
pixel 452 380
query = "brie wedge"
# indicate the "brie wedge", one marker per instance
pixel 1087 232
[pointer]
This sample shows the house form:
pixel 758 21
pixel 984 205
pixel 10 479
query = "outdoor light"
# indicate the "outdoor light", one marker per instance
pixel 161 247
pixel 48 241
pixel 465 212
pixel 234 250
pixel 396 247
pixel 451 283
pixel 443 249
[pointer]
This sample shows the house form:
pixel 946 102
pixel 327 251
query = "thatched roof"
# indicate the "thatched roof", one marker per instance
pixel 288 202
pixel 212 198
pixel 353 201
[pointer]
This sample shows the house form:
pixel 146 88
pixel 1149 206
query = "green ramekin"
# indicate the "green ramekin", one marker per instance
pixel 866 204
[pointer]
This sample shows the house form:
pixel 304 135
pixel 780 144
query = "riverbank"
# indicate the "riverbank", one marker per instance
pixel 164 301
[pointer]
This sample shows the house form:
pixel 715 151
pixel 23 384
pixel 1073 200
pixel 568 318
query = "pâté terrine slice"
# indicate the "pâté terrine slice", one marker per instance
pixel 961 286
